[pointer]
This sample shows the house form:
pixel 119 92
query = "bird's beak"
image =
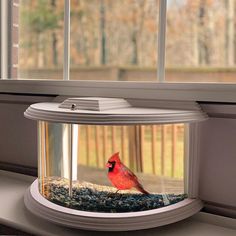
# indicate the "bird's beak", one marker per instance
pixel 108 165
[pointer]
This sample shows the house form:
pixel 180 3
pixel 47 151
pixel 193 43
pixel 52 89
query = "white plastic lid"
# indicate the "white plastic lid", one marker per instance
pixel 53 112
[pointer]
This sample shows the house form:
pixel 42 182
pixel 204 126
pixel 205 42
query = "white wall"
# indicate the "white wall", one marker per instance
pixel 218 161
pixel 18 135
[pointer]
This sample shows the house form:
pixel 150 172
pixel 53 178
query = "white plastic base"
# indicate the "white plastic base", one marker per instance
pixel 43 208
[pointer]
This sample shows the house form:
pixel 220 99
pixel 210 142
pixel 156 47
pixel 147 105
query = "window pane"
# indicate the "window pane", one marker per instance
pixel 41 39
pixel 200 41
pixel 110 40
pixel 114 40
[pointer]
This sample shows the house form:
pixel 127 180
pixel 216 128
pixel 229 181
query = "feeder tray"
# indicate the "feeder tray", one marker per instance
pixel 60 195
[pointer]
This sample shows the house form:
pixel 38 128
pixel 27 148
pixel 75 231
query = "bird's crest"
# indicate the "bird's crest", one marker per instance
pixel 115 157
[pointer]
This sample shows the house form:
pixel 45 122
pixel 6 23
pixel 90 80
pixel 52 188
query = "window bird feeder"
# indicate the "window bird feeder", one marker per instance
pixel 104 164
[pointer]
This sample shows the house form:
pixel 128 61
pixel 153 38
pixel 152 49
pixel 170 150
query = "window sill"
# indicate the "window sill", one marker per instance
pixel 14 214
pixel 205 92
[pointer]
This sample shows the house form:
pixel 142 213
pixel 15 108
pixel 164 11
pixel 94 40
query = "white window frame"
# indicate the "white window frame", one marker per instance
pixel 213 92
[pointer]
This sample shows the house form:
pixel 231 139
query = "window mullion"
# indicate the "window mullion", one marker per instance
pixel 161 41
pixel 66 58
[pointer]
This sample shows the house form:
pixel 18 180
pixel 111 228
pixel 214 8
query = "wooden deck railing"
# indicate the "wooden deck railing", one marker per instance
pixel 154 149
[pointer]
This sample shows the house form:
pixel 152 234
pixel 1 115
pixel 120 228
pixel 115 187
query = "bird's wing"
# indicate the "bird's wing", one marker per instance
pixel 128 173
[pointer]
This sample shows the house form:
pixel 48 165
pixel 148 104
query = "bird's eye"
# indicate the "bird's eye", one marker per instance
pixel 112 163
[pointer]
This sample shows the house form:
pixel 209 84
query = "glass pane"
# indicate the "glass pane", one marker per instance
pixel 114 168
pixel 110 40
pixel 41 39
pixel 114 40
pixel 200 41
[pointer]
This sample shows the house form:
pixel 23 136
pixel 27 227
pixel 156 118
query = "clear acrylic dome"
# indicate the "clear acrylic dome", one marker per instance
pixel 148 171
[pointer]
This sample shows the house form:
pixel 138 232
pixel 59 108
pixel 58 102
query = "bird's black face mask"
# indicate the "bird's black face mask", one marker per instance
pixel 111 165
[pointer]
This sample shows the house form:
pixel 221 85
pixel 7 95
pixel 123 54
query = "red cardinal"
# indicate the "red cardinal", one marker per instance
pixel 121 176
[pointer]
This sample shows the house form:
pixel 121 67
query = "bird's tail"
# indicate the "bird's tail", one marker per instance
pixel 140 188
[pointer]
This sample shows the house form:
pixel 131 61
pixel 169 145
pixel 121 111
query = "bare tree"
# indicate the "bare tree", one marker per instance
pixel 103 32
pixel 202 42
pixel 54 39
pixel 229 34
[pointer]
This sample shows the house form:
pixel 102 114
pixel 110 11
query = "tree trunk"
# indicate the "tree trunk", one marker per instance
pixel 40 63
pixel 195 30
pixel 229 34
pixel 103 33
pixel 54 40
pixel 134 59
pixel 54 49
pixel 202 44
